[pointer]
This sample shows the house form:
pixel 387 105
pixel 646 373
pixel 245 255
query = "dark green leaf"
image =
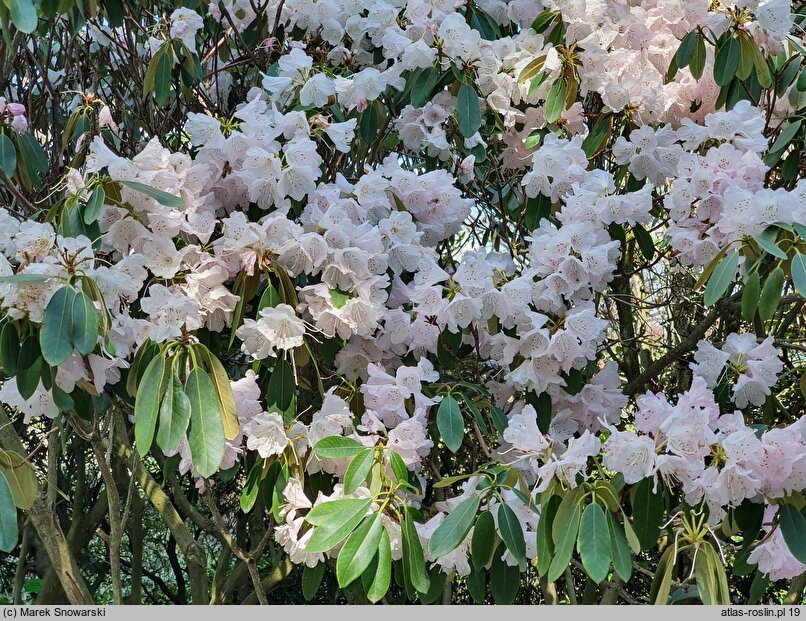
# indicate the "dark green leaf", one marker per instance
pixel 726 63
pixel 450 423
pixel 251 488
pixel 9 349
pixel 619 548
pixel 94 205
pixel 505 581
pixel 413 560
pixel 793 528
pixel 206 435
pixel 511 531
pixel 311 579
pixel 785 137
pixel 468 110
pixel 84 322
pixel 771 294
pixel 564 535
pixel 483 543
pixel 647 514
pixel 281 386
pixel 750 296
pixel 8 155
pixel 697 64
pixel 686 50
pixel 29 367
pixel 594 543
pixel 55 337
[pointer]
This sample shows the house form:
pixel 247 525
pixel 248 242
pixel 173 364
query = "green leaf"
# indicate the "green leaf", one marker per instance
pixel 23 14
pixel 468 110
pixel 545 545
pixel 565 530
pixel 29 367
pixel 555 100
pixel 8 517
pixel 358 470
pixel 206 435
pixel 686 50
pixel 251 487
pixel 359 550
pixel 483 543
pixel 9 349
pixel 223 389
pixel 662 583
pixel 24 279
pixel 771 294
pixel 281 388
pixel 55 337
pixel 697 64
pixel 477 585
pixel 399 467
pixel 645 242
pixel 793 528
pixel 721 279
pixel 423 85
pixel 511 531
pixel 647 514
pixel 146 405
pixel 413 559
pixel 594 543
pixel 598 135
pixel 454 528
pixel 762 69
pixel 784 138
pixel 174 415
pixel 94 205
pixel 619 548
pixel 163 198
pixel 450 423
pixel 8 155
pixel 270 297
pixel 162 78
pixel 312 579
pixel 335 520
pixel 337 447
pixel 746 54
pixel 339 298
pixel 21 478
pixel 750 296
pixel 767 241
pixel 84 322
pixel 798 268
pixel 382 574
pixel 505 581
pixel 726 63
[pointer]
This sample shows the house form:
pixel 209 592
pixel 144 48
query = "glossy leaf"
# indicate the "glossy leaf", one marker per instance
pixel 413 559
pixel 726 63
pixel 8 156
pixel 84 324
pixel 721 278
pixel 468 110
pixel 793 528
pixel 359 550
pixel 483 543
pixel 335 520
pixel 281 388
pixel 358 470
pixel 337 447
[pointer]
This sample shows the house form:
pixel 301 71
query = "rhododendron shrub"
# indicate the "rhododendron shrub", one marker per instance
pixel 403 301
